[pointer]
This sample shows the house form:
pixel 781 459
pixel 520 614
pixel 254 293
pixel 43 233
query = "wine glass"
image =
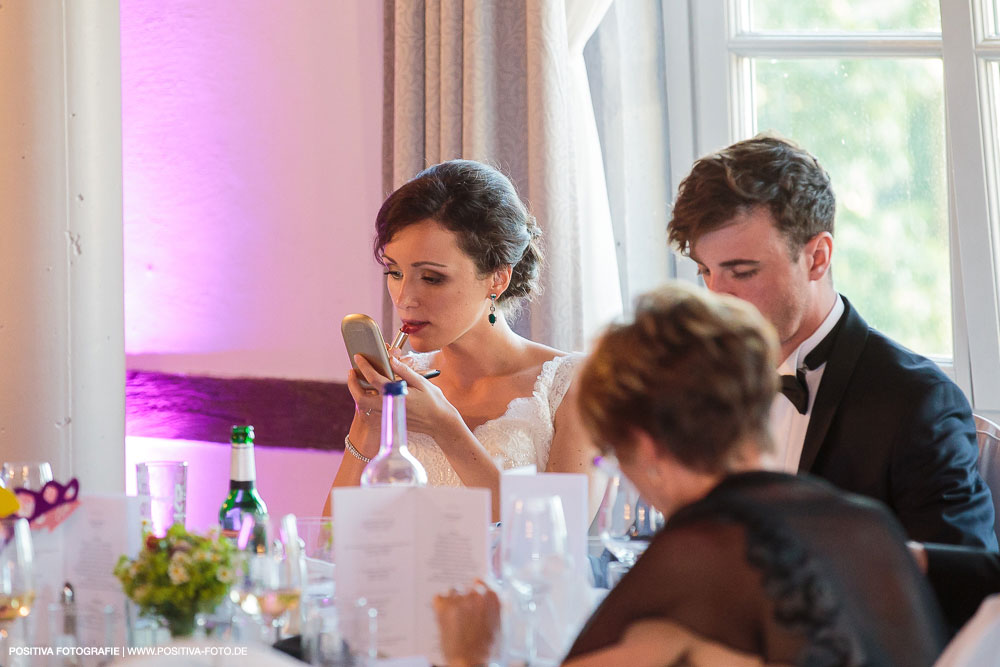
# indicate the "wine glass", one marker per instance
pixel 535 555
pixel 17 592
pixel 31 475
pixel 626 522
pixel 270 571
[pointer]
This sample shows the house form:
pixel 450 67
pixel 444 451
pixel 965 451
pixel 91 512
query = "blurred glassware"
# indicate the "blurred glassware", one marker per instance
pixel 270 572
pixel 162 485
pixel 535 556
pixel 322 638
pixel 625 521
pixel 316 534
pixel 32 475
pixel 17 591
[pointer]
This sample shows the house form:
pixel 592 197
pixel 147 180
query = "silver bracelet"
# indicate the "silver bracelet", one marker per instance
pixel 353 450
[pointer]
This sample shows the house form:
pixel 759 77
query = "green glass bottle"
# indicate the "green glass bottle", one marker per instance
pixel 243 498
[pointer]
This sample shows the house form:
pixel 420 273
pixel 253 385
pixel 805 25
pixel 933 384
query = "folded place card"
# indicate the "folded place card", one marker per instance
pixel 395 548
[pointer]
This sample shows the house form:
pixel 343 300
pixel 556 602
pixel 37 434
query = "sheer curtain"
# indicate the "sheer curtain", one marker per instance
pixel 505 83
pixel 626 61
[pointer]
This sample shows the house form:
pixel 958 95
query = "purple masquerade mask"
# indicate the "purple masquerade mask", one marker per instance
pixel 50 506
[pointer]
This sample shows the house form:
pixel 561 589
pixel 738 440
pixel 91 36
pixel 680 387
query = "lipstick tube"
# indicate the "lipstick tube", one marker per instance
pixel 399 341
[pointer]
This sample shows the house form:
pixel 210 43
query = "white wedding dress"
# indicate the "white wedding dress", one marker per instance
pixel 520 436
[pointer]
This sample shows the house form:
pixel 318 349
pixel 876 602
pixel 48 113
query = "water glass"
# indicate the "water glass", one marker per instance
pixel 316 534
pixel 162 485
pixel 626 522
pixel 535 556
pixel 322 639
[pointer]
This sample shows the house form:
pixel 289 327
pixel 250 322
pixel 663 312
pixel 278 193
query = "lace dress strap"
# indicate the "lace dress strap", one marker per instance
pixel 556 377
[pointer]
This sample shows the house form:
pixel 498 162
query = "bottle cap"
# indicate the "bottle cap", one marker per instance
pixel 397 388
pixel 242 434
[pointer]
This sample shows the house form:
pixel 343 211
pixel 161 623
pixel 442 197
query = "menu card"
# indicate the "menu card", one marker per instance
pixel 82 550
pixel 395 548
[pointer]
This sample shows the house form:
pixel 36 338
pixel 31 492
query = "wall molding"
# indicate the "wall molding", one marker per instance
pixel 302 414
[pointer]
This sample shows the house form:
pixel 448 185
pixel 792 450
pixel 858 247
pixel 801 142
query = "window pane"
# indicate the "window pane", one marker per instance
pixel 993 132
pixel 877 126
pixel 846 15
pixel 991 18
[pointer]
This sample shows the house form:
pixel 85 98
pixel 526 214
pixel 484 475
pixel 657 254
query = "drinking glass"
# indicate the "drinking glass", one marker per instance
pixel 162 485
pixel 535 555
pixel 270 571
pixel 17 591
pixel 316 534
pixel 626 522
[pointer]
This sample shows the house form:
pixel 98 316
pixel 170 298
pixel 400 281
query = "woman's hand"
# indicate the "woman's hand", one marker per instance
pixel 367 402
pixel 427 410
pixel 469 624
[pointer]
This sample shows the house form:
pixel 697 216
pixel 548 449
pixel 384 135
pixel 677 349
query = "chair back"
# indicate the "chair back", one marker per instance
pixel 988 437
pixel 977 644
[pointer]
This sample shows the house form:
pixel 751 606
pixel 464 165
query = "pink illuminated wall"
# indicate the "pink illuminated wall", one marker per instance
pixel 252 174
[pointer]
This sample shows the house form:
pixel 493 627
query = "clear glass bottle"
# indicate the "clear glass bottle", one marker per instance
pixel 394 464
pixel 243 498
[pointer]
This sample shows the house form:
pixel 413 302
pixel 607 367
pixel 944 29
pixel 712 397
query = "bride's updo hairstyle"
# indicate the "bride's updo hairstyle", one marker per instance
pixel 481 207
pixel 694 370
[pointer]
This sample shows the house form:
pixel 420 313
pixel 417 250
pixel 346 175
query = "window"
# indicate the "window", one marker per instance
pixel 899 101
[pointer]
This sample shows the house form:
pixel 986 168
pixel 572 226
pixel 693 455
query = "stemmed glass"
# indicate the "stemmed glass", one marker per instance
pixel 270 571
pixel 535 555
pixel 626 522
pixel 26 474
pixel 17 592
pixel 31 475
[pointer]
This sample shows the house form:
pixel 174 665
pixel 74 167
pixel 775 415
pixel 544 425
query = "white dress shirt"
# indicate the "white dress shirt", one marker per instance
pixel 788 427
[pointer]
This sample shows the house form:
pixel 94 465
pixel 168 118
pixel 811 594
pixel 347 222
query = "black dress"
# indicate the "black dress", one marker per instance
pixel 785 568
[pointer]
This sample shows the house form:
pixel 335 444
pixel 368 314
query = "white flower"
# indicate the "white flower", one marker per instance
pixel 225 574
pixel 177 572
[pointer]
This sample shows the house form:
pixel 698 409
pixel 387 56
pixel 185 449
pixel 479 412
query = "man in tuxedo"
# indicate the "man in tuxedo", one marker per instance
pixel 856 408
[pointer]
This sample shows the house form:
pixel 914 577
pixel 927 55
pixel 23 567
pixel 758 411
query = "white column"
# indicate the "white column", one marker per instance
pixel 62 360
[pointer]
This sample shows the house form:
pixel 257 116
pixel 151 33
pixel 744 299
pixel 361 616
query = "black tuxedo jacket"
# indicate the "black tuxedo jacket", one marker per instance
pixel 888 424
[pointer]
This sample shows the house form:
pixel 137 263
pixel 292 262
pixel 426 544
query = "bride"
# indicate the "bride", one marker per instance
pixel 461 252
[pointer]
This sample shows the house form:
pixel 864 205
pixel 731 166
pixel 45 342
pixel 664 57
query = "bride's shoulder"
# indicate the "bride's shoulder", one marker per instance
pixel 554 368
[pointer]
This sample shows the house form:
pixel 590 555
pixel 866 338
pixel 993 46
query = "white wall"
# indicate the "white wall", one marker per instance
pixel 252 175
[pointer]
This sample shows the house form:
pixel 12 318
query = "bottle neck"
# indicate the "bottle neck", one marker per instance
pixel 393 424
pixel 242 470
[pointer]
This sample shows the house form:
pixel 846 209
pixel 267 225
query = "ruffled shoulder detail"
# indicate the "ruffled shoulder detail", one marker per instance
pixel 556 377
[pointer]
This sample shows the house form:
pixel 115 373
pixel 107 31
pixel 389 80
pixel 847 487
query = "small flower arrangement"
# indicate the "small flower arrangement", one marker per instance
pixel 178 576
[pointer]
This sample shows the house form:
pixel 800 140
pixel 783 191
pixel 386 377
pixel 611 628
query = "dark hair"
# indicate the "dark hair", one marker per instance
pixel 694 370
pixel 763 171
pixel 480 205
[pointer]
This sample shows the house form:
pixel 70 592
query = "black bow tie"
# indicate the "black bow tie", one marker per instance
pixel 794 387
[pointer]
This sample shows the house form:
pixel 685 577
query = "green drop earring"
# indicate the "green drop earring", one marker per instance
pixel 493 309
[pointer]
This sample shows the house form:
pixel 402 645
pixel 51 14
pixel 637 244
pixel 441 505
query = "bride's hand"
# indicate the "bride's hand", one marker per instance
pixel 367 402
pixel 427 410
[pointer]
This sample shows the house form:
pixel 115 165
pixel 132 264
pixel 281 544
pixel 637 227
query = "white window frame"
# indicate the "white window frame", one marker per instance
pixel 703 51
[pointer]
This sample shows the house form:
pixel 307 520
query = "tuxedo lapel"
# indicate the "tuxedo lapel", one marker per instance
pixel 844 355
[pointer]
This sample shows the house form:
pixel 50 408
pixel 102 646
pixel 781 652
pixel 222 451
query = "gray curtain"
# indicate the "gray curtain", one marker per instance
pixel 492 81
